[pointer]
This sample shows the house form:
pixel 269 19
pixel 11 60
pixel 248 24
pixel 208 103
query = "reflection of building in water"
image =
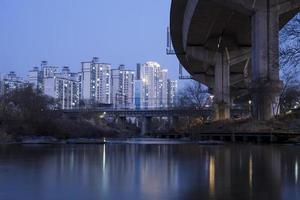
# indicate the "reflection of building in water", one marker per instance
pixel 165 171
pixel 249 169
pixel 128 169
pixel 168 167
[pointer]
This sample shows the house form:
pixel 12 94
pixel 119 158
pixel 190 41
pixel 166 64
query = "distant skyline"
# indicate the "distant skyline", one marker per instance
pixel 71 31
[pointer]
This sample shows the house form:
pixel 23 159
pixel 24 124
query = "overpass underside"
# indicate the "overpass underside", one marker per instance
pixel 232 46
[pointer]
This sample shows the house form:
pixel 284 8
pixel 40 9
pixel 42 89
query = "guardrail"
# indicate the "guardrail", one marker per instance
pixel 144 112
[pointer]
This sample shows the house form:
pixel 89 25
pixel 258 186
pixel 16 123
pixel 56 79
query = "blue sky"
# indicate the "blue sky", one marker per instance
pixel 66 32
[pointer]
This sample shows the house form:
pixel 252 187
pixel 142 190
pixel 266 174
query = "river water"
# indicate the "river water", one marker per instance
pixel 129 171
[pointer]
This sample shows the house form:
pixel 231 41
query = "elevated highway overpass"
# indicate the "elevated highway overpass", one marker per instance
pixel 232 46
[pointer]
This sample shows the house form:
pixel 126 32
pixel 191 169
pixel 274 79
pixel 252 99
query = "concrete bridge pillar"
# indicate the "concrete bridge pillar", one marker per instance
pixel 221 61
pixel 122 121
pixel 146 125
pixel 266 85
pixel 174 120
pixel 222 89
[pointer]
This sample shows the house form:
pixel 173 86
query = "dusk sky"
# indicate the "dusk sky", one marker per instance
pixel 66 32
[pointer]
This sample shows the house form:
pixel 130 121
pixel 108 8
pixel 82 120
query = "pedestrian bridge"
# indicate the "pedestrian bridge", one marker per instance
pixel 145 116
pixel 168 112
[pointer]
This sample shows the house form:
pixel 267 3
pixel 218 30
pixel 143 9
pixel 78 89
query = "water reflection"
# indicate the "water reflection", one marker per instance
pixel 149 172
pixel 296 171
pixel 103 158
pixel 250 172
pixel 212 177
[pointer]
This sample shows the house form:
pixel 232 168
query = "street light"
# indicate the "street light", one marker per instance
pixel 102 115
pixel 250 104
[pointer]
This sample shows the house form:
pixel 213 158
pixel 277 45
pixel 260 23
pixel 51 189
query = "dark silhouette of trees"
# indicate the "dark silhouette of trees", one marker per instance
pixel 27 112
pixel 25 104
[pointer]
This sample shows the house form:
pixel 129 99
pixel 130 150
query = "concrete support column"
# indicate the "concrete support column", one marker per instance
pixel 222 89
pixel 146 125
pixel 174 121
pixel 122 121
pixel 266 85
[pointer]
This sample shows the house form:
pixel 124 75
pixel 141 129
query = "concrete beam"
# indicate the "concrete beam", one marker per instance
pixel 242 6
pixel 287 6
pixel 235 79
pixel 187 17
pixel 210 57
pixel 203 77
pixel 236 57
pixel 201 54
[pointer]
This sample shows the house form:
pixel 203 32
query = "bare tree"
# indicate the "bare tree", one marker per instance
pixel 289 64
pixel 194 94
pixel 289 43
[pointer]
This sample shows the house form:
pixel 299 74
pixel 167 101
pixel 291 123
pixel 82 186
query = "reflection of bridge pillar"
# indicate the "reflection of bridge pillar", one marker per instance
pixel 146 125
pixel 222 89
pixel 266 85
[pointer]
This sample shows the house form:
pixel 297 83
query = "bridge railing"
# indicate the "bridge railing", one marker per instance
pixel 136 109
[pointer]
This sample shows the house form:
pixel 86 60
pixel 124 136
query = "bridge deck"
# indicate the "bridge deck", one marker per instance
pixel 150 112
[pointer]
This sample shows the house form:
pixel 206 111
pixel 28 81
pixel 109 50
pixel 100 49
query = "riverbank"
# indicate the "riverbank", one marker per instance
pixel 211 140
pixel 52 140
pixel 90 130
pixel 60 130
pixel 285 124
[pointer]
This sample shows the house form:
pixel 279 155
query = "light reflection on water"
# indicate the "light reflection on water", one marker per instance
pixel 296 171
pixel 212 176
pixel 149 172
pixel 250 171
